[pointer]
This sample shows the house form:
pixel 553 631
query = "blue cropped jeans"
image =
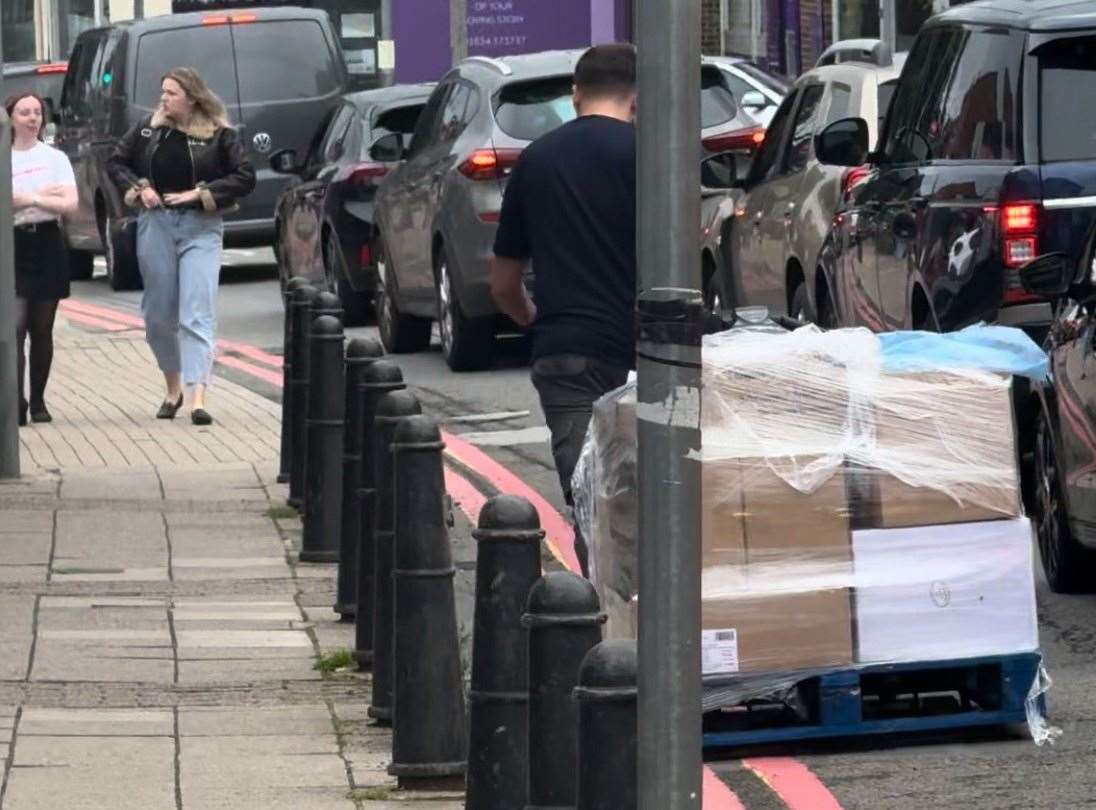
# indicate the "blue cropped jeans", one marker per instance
pixel 179 251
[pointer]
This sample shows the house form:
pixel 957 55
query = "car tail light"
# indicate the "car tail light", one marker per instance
pixel 748 139
pixel 365 256
pixel 489 164
pixel 852 177
pixel 490 216
pixel 54 67
pixel 365 174
pixel 1019 229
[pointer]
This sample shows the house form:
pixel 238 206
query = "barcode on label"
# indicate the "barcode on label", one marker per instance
pixel 719 651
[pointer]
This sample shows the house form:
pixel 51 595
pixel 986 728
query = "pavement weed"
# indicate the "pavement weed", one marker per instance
pixel 334 661
pixel 372 794
pixel 281 513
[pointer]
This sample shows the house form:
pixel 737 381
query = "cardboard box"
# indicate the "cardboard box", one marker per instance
pixel 932 593
pixel 957 431
pixel 773 633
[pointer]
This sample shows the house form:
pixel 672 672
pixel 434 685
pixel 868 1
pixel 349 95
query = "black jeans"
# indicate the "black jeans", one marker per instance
pixel 568 386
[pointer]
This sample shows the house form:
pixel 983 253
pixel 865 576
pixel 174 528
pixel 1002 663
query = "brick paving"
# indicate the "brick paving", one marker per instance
pixel 157 635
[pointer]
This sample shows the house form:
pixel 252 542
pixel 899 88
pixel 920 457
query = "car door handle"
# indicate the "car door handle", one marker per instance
pixel 919 203
pixel 871 208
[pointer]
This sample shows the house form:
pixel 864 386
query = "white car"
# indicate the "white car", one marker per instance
pixel 756 91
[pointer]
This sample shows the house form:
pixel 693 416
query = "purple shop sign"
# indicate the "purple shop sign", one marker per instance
pixel 423 50
pixel 501 27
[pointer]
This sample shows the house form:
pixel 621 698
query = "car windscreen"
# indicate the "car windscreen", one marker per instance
pixel 265 72
pixel 46 85
pixel 1067 93
pixel 763 78
pixel 886 93
pixel 399 120
pixel 527 110
pixel 160 51
pixel 717 105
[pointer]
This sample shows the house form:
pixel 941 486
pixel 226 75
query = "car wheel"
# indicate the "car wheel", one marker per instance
pixel 120 248
pixel 81 264
pixel 801 307
pixel 357 306
pixel 826 316
pixel 466 343
pixel 1069 567
pixel 400 334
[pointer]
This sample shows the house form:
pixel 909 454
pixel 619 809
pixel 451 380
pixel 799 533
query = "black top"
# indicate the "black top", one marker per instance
pixel 570 207
pixel 172 167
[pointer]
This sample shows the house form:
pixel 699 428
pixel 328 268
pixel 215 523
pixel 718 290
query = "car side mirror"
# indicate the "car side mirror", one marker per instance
pixel 753 100
pixel 1050 275
pixel 843 143
pixel 388 149
pixel 719 172
pixel 284 161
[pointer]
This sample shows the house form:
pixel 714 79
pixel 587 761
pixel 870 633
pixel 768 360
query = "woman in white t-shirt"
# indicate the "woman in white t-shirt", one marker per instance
pixel 43 190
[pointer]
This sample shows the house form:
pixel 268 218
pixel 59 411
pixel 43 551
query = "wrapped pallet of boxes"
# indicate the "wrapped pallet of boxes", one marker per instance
pixel 852 515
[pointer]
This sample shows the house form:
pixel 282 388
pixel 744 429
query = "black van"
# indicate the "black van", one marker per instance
pixel 279 71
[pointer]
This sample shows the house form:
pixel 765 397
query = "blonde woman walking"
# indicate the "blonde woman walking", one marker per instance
pixel 183 166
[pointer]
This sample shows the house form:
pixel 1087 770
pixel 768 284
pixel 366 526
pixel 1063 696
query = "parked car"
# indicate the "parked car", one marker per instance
pixel 781 226
pixel 718 199
pixel 44 79
pixel 755 90
pixel 438 212
pixel 279 71
pixel 324 228
pixel 986 161
pixel 1063 506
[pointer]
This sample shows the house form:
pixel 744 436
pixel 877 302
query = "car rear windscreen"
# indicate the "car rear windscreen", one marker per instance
pixel 771 82
pixel 282 60
pixel 45 85
pixel 717 104
pixel 1067 93
pixel 160 51
pixel 527 110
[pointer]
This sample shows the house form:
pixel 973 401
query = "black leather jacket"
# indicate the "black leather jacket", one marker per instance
pixel 222 173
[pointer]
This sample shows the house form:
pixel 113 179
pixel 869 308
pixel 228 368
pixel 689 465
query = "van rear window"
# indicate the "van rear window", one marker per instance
pixel 282 60
pixel 160 51
pixel 1067 92
pixel 527 110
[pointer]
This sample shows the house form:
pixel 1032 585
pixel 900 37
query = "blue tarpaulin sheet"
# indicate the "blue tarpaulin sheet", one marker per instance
pixel 999 349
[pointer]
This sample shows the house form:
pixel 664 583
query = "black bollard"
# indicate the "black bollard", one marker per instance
pixel 607 728
pixel 324 303
pixel 564 619
pixel 323 468
pixel 360 354
pixel 286 455
pixel 507 566
pixel 428 731
pixel 392 407
pixel 300 312
pixel 377 380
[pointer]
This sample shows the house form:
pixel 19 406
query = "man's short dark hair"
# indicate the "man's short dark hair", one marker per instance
pixel 607 70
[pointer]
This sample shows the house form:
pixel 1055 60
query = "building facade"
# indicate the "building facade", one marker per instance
pixel 39 30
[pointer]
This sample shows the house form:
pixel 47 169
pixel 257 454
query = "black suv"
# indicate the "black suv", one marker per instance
pixel 279 72
pixel 987 159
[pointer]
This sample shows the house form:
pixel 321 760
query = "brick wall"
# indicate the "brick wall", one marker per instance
pixel 710 35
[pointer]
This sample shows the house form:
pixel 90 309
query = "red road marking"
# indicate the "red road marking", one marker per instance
pixel 717 796
pixel 796 785
pixel 793 782
pixel 272 377
pixel 559 535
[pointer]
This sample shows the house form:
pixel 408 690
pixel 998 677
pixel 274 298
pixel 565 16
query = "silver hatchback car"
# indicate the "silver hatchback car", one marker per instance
pixel 783 220
pixel 438 211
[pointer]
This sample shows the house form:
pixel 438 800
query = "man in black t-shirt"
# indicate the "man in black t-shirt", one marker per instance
pixel 570 209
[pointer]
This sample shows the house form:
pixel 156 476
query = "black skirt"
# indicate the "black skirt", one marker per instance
pixel 41 262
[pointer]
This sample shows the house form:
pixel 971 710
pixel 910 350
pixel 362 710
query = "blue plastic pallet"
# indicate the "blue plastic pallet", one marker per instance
pixel 883 699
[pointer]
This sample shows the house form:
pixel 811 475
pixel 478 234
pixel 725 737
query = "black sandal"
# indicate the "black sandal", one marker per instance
pixel 200 416
pixel 22 413
pixel 38 413
pixel 168 409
